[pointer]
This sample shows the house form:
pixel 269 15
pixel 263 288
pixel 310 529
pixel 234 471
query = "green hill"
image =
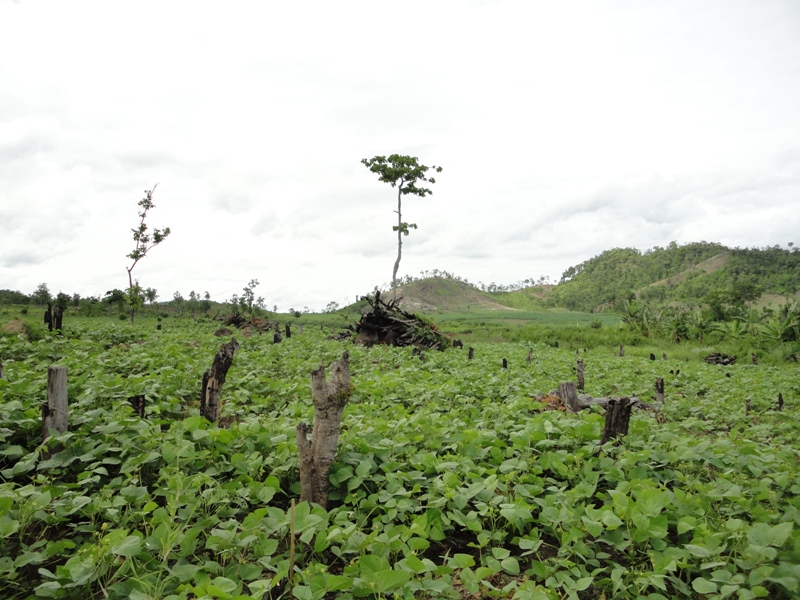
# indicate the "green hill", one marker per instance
pixel 685 274
pixel 689 274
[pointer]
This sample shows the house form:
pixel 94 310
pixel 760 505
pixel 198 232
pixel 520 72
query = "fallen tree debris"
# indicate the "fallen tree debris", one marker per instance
pixel 387 324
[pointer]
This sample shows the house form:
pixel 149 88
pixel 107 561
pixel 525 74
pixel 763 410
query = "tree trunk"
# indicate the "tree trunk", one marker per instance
pixel 55 414
pixel 618 416
pixel 399 241
pixel 568 395
pixel 579 371
pixel 317 454
pixel 48 317
pixel 210 404
pixel 58 317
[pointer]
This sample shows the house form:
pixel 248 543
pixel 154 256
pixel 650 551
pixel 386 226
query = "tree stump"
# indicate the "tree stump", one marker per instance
pixel 622 350
pixel 288 331
pixel 58 318
pixel 317 454
pixel 618 416
pixel 529 358
pixel 569 396
pixel 138 403
pixel 48 317
pixel 276 338
pixel 505 364
pixel 780 396
pixel 579 369
pixel 660 390
pixel 210 405
pixel 470 353
pixel 55 414
pixel 1 369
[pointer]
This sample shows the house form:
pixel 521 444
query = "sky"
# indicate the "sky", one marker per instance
pixel 563 129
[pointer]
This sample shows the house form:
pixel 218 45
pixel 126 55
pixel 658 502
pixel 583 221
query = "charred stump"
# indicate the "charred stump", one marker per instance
pixel 317 454
pixel 618 417
pixel 210 394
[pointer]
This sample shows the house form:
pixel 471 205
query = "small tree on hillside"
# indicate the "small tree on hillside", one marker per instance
pixel 144 242
pixel 402 172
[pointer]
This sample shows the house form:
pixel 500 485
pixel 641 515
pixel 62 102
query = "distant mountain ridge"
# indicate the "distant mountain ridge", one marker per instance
pixel 678 273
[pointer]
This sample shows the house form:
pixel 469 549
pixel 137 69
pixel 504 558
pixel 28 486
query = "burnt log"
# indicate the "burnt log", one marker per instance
pixel 618 417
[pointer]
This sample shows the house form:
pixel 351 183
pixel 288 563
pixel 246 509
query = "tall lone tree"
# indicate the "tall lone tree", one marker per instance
pixel 144 243
pixel 404 173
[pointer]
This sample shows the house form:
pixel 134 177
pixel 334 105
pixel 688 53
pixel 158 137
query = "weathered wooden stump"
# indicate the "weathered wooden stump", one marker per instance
pixel 780 396
pixel 318 453
pixel 660 390
pixel 55 414
pixel 529 358
pixel 471 353
pixel 288 330
pixel 211 391
pixel 622 350
pixel 505 363
pixel 579 368
pixel 618 416
pixel 569 396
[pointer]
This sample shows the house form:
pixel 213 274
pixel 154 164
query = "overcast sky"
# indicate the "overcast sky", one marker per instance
pixel 564 129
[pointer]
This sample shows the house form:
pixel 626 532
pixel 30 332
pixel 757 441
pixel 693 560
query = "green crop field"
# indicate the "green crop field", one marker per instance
pixel 452 480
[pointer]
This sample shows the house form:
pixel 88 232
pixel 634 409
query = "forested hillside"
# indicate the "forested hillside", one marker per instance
pixel 689 273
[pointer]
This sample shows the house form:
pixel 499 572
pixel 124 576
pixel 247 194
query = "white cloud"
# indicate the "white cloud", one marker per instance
pixel 564 129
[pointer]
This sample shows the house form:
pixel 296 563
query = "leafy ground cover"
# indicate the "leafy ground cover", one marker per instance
pixel 451 480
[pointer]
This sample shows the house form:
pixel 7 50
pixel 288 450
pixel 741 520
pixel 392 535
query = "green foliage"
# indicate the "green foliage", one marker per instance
pixel 451 478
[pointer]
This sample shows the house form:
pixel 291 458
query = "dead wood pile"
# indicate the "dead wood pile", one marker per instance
pixel 387 324
pixel 719 359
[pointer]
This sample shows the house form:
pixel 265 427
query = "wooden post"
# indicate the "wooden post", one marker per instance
pixel 780 396
pixel 660 390
pixel 579 369
pixel 529 358
pixel 276 338
pixel 48 317
pixel 505 364
pixel 568 395
pixel 317 454
pixel 210 393
pixel 618 416
pixel 1 368
pixel 288 331
pixel 57 317
pixel 622 350
pixel 471 353
pixel 55 414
